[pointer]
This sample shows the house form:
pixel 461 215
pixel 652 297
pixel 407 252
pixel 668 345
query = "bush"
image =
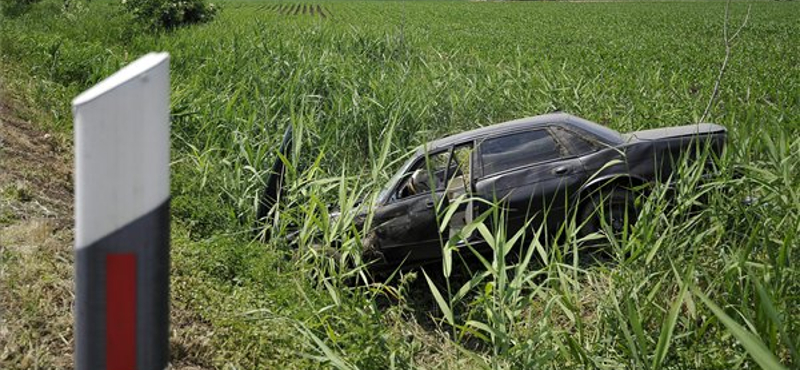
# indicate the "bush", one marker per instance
pixel 169 14
pixel 13 8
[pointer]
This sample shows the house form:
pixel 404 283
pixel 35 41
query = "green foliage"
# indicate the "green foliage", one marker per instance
pixel 169 14
pixel 712 288
pixel 13 8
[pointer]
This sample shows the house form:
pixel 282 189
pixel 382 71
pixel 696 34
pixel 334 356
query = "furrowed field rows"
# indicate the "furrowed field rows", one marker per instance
pixel 298 9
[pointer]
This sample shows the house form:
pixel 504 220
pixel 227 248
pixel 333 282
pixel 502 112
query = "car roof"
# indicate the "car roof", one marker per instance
pixel 603 133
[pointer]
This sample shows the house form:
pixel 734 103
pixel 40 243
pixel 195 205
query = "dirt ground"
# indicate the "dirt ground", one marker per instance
pixel 36 290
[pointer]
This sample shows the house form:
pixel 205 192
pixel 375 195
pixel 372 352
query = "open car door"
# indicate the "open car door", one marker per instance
pixel 266 214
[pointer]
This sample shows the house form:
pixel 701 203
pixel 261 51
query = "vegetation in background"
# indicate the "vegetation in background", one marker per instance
pixel 708 288
pixel 168 14
pixel 13 8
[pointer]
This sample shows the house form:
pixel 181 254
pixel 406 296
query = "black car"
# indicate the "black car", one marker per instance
pixel 539 168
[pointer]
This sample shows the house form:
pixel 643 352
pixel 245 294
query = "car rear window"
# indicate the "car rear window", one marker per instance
pixel 516 150
pixel 578 145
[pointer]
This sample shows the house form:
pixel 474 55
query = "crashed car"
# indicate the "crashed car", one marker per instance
pixel 539 168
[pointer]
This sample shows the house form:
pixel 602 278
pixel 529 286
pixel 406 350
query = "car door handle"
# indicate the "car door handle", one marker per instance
pixel 561 170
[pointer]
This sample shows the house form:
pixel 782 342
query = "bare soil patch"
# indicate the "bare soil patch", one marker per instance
pixel 36 290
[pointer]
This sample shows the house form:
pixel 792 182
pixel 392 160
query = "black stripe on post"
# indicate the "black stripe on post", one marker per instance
pixel 145 241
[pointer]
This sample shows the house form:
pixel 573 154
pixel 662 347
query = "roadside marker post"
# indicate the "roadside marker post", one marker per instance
pixel 122 219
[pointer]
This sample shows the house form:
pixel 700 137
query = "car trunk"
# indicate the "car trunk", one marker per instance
pixel 701 129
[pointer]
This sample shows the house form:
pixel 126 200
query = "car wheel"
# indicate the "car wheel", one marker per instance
pixel 612 210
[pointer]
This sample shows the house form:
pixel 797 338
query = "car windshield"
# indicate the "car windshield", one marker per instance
pixel 386 192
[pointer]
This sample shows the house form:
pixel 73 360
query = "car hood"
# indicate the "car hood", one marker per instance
pixel 672 132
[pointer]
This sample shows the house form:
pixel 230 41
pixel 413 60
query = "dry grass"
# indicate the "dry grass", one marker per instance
pixel 35 238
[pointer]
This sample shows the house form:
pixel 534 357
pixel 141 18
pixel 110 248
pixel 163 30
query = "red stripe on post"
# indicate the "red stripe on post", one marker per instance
pixel 121 311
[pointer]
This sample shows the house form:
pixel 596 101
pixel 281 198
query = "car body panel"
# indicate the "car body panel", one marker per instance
pixel 407 228
pixel 533 191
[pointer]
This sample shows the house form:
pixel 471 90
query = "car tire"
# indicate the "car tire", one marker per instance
pixel 608 207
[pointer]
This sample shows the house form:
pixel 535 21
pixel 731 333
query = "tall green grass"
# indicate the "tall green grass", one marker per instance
pixel 688 287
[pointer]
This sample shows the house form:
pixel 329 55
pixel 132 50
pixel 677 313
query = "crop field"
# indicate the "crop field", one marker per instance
pixel 365 82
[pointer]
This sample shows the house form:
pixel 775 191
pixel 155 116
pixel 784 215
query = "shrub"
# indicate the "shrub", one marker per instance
pixel 169 14
pixel 13 8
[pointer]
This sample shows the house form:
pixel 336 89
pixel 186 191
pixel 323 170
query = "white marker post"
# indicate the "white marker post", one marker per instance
pixel 122 219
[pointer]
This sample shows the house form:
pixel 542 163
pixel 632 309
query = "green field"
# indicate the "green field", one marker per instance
pixel 364 82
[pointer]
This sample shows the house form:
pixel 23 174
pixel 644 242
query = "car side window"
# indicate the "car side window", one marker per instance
pixel 518 149
pixel 577 144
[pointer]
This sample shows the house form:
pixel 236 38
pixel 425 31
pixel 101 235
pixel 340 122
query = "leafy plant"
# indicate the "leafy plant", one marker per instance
pixel 169 14
pixel 13 8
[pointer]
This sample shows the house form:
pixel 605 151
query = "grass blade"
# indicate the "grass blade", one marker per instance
pixel 750 342
pixel 448 313
pixel 667 328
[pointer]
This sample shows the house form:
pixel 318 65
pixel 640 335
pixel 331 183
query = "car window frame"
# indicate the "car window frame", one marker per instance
pixel 565 153
pixel 474 157
pixel 472 160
